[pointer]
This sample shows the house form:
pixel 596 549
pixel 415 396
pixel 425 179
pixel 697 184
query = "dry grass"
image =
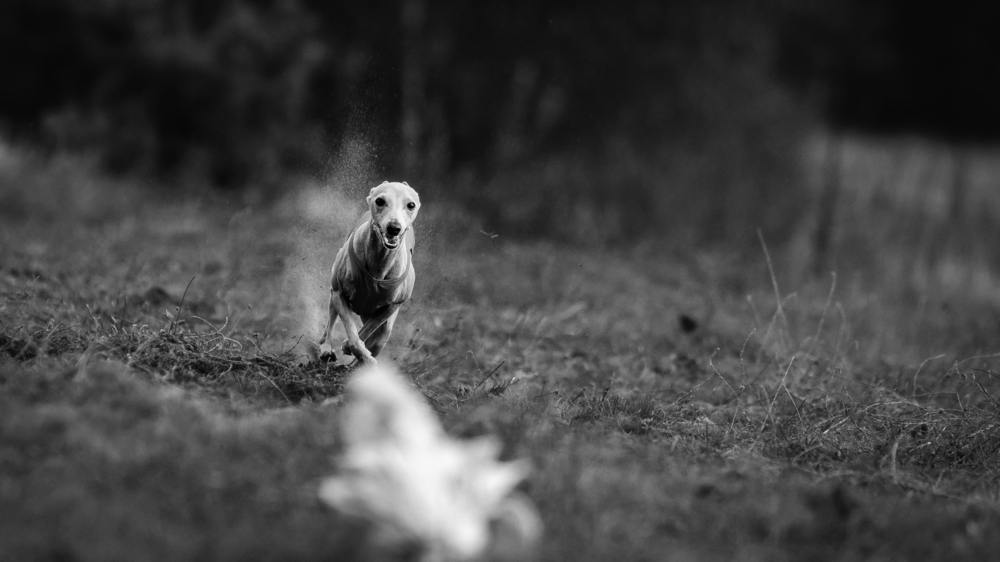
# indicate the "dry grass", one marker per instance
pixel 153 399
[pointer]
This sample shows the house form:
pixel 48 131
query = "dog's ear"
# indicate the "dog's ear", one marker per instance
pixel 406 184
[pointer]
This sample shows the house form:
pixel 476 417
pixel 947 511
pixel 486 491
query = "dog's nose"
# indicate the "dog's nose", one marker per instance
pixel 393 229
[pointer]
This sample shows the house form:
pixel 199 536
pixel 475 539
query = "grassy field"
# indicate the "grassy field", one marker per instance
pixel 154 403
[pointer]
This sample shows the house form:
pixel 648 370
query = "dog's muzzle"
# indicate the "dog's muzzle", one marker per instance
pixel 391 236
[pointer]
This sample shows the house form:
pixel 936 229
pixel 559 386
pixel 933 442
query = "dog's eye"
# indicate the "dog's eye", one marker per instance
pixel 411 205
pixel 379 202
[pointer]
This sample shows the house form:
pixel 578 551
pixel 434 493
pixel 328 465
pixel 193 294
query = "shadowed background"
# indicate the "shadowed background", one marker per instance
pixel 598 123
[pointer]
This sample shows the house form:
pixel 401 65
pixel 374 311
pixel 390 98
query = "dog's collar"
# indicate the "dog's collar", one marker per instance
pixel 358 264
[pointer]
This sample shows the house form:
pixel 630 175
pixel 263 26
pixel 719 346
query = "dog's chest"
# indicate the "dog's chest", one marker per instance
pixel 369 297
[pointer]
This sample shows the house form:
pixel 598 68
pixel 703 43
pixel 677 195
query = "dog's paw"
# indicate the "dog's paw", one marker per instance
pixel 362 355
pixel 318 353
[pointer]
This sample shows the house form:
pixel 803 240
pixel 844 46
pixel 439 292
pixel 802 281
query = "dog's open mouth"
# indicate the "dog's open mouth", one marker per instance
pixel 389 241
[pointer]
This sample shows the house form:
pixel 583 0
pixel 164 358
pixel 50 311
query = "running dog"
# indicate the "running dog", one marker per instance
pixel 372 275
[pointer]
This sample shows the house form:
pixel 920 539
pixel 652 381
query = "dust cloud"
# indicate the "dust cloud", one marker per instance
pixel 320 215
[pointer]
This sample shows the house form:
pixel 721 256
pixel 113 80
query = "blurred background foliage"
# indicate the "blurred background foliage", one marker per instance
pixel 598 122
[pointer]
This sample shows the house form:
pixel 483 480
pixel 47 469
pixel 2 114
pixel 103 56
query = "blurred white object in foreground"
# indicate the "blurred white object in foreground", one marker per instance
pixel 417 485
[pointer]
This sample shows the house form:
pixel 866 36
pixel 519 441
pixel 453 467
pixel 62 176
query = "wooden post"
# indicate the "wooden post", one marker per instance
pixel 959 188
pixel 827 206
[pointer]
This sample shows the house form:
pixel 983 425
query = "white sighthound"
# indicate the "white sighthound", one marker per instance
pixel 373 273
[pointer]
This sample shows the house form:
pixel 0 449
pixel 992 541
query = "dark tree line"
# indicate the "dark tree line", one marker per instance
pixel 685 110
pixel 248 83
pixel 898 66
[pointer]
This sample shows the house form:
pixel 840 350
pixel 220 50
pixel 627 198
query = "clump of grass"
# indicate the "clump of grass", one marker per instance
pixel 632 414
pixel 593 406
pixel 214 360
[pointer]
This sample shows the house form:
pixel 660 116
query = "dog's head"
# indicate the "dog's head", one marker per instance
pixel 394 207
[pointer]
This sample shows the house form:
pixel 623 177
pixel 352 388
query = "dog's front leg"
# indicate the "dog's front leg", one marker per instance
pixel 376 330
pixel 354 345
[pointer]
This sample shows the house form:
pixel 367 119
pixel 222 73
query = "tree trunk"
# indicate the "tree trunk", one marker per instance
pixel 412 85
